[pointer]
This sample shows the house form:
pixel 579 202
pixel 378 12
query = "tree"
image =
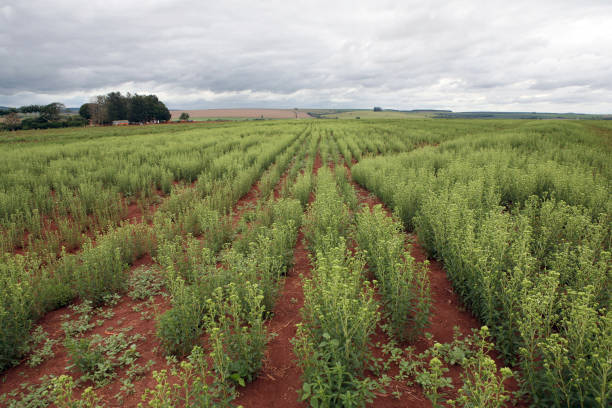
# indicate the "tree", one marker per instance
pixel 30 109
pixel 135 108
pixel 97 110
pixel 184 116
pixel 12 121
pixel 51 112
pixel 85 111
pixel 116 106
pixel 377 109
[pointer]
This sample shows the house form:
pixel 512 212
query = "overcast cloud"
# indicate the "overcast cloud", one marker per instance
pixel 461 55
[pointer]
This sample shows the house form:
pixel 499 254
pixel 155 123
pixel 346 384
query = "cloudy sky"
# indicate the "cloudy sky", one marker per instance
pixel 463 55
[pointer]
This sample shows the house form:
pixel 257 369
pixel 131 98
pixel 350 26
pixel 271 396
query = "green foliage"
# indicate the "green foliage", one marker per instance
pixel 521 222
pixel 180 327
pixel 339 316
pixel 404 285
pixel 196 385
pixel 97 357
pixel 16 299
pixel 238 337
pixel 62 394
pixel 145 282
pixel 328 216
pixel 483 384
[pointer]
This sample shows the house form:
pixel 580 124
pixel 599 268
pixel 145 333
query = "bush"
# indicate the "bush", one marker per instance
pixel 16 298
pixel 237 333
pixel 180 328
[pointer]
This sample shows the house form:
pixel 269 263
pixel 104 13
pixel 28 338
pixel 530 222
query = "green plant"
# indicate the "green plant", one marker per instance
pixel 43 353
pixel 63 389
pixel 193 386
pixel 97 357
pixel 234 323
pixel 404 285
pixel 145 283
pixel 16 298
pixel 180 327
pixel 483 384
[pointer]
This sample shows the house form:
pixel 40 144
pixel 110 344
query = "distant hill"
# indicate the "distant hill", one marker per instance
pixel 232 114
pixel 444 114
pixel 519 115
pixel 371 114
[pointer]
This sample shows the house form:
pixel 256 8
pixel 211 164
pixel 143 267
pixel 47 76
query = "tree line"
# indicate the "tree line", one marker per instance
pixel 46 116
pixel 134 108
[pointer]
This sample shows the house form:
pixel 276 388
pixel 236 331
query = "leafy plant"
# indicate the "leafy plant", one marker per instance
pixel 193 386
pixel 235 325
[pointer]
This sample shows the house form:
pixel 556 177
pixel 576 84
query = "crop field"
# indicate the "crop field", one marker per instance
pixel 203 114
pixel 323 263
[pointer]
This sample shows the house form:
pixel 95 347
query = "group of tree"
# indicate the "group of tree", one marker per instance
pixel 104 109
pixel 39 117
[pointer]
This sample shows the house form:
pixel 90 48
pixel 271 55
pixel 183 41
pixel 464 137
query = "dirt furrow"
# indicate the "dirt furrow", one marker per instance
pixel 279 381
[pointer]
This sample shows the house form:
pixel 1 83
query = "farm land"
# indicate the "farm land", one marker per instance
pixel 323 263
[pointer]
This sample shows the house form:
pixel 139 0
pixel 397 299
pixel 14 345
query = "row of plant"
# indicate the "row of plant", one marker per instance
pixel 228 301
pixel 33 287
pixel 51 193
pixel 522 223
pixel 403 284
pixel 340 313
pixel 28 291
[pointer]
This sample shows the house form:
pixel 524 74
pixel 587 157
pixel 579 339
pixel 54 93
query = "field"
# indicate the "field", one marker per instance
pixel 370 114
pixel 295 263
pixel 226 114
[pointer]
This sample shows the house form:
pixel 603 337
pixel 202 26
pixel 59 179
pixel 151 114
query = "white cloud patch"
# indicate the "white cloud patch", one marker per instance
pixel 460 55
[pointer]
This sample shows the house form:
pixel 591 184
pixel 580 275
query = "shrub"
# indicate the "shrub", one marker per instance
pixel 179 328
pixel 235 325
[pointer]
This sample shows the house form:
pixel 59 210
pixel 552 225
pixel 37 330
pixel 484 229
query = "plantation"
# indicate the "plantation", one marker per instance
pixel 383 263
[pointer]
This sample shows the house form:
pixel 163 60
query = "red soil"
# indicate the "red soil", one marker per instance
pixel 246 201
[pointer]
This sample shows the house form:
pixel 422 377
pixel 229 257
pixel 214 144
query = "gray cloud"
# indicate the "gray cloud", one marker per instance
pixel 461 55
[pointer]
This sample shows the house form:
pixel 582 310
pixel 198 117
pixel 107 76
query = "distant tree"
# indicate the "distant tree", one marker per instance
pixel 97 110
pixel 377 109
pixel 52 111
pixel 155 109
pixel 85 111
pixel 116 106
pixel 184 116
pixel 46 113
pixel 30 109
pixel 135 108
pixel 6 111
pixel 12 121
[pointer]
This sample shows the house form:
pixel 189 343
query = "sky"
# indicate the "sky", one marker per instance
pixel 545 56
